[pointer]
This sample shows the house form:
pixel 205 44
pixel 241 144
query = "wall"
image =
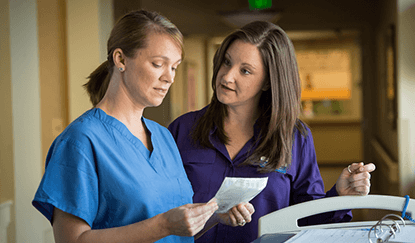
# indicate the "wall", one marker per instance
pixel 384 137
pixel 6 121
pixel 88 26
pixel 82 26
pixel 34 94
pixel 406 98
pixel 337 137
pixel 391 147
pixel 52 70
pixel 25 95
pixel 195 51
pixel 195 57
pixel 6 125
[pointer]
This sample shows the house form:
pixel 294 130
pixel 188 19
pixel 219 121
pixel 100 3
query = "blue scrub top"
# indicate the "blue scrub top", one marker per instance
pixel 100 172
pixel 207 168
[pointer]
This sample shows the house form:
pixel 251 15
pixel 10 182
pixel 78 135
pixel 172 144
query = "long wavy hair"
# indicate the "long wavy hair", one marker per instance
pixel 129 34
pixel 279 106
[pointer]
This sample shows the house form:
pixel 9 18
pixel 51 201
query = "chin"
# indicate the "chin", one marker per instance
pixel 156 103
pixel 221 99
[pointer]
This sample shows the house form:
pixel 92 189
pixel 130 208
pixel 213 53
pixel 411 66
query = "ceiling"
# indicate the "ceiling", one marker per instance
pixel 201 17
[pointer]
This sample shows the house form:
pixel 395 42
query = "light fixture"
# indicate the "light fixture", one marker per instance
pixel 239 18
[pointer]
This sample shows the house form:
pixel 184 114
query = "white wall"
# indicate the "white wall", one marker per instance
pixel 26 118
pixel 406 95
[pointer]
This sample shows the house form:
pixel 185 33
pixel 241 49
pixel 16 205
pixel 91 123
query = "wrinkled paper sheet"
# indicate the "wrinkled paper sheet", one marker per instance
pixel 235 190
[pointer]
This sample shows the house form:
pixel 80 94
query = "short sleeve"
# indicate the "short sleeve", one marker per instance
pixel 70 182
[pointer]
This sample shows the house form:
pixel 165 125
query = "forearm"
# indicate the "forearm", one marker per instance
pixel 70 229
pixel 149 230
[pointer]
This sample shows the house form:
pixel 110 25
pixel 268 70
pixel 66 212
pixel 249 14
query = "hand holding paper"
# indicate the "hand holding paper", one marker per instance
pixel 235 190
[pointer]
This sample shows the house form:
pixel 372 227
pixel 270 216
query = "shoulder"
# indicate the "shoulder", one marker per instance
pixel 81 135
pixel 191 116
pixel 303 143
pixel 85 128
pixel 302 133
pixel 186 121
pixel 304 158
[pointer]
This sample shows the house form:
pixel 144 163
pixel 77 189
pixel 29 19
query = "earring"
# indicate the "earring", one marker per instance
pixel 121 69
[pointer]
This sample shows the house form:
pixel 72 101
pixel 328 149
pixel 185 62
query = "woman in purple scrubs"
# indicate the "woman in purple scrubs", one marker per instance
pixel 252 128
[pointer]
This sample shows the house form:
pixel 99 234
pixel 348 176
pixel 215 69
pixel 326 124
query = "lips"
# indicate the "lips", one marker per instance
pixel 226 87
pixel 161 90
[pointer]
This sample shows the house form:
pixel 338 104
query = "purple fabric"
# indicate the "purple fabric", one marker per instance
pixel 207 168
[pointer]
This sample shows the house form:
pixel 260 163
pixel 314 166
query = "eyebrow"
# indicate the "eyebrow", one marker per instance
pixel 247 64
pixel 244 63
pixel 166 58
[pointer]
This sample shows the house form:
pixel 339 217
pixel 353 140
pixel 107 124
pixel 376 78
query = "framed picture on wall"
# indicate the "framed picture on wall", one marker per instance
pixel 390 57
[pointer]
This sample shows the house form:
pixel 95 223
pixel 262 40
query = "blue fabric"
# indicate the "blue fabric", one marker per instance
pixel 99 171
pixel 207 168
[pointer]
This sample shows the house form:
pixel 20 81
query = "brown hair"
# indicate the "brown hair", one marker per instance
pixel 129 34
pixel 279 106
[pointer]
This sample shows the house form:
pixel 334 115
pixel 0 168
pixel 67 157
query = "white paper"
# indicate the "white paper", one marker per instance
pixel 330 236
pixel 407 234
pixel 235 190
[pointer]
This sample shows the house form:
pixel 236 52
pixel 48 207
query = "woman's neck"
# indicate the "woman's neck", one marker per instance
pixel 239 128
pixel 242 116
pixel 117 103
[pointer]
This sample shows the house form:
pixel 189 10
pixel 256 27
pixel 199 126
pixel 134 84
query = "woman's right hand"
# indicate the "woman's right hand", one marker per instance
pixel 189 219
pixel 238 215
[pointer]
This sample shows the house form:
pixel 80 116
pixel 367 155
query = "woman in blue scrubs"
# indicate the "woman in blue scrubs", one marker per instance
pixel 112 175
pixel 252 128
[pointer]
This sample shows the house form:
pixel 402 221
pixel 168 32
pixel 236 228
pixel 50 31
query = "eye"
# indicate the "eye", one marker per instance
pixel 245 71
pixel 174 69
pixel 227 62
pixel 156 65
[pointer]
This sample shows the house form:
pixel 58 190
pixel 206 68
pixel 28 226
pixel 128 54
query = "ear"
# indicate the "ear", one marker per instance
pixel 119 58
pixel 266 86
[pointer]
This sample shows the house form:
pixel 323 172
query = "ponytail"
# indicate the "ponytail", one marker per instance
pixel 98 83
pixel 129 34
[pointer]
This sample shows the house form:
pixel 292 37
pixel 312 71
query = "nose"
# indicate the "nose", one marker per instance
pixel 168 76
pixel 228 75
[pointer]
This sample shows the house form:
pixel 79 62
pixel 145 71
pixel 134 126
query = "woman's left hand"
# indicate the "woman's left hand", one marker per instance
pixel 355 179
pixel 239 215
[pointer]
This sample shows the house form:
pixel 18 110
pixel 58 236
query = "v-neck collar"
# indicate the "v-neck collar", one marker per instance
pixel 122 128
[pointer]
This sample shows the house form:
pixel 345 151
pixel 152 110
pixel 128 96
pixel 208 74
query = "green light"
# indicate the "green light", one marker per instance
pixel 259 4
